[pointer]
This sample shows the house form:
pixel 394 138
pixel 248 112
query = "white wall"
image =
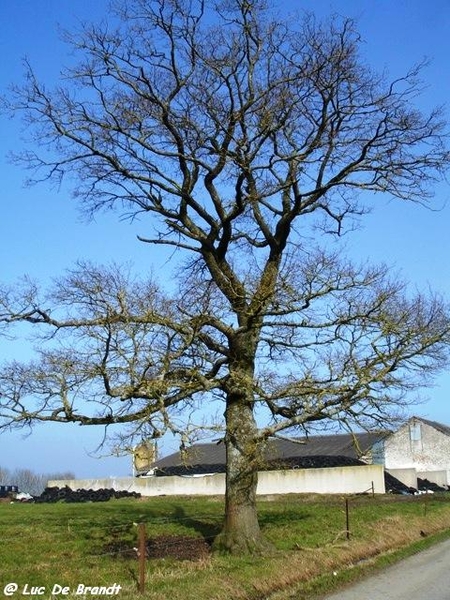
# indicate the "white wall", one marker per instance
pixel 409 476
pixel 417 445
pixel 406 476
pixel 438 477
pixel 337 480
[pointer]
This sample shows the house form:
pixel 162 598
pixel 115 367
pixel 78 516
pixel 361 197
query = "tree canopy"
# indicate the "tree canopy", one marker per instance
pixel 249 143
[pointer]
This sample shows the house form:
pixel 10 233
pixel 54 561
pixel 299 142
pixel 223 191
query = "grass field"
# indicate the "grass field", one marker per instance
pixel 65 545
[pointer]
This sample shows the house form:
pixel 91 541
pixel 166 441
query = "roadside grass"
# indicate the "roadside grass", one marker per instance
pixel 69 544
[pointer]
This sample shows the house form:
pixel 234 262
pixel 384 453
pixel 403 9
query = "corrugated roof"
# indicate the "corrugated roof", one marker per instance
pixel 353 446
pixel 211 457
pixel 204 454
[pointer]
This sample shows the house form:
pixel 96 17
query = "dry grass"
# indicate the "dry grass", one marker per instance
pixel 376 539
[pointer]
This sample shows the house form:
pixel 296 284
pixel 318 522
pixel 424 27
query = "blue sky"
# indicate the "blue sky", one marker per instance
pixel 41 232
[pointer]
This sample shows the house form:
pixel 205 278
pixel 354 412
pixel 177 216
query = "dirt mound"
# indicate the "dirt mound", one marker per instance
pixel 181 547
pixel 395 486
pixel 424 485
pixel 66 494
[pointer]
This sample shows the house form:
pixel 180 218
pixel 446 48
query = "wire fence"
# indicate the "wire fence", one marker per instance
pixel 137 541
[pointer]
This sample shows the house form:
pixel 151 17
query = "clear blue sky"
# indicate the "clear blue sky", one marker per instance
pixel 41 233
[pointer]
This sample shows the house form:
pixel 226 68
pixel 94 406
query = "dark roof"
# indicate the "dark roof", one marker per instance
pixel 204 454
pixel 439 426
pixel 323 450
pixel 353 446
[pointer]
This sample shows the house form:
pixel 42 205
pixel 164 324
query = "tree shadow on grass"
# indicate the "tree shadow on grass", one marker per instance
pixel 282 517
pixel 208 529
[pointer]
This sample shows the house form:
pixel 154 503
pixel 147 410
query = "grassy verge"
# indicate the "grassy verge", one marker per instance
pixel 92 544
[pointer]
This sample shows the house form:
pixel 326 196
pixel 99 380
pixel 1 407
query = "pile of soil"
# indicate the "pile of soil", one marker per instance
pixel 290 462
pixel 428 486
pixel 395 486
pixel 180 547
pixel 65 494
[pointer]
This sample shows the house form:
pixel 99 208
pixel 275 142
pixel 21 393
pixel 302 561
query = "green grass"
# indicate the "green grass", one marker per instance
pixel 69 544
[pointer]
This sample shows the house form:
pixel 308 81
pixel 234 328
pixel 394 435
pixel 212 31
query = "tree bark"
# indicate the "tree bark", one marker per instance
pixel 241 533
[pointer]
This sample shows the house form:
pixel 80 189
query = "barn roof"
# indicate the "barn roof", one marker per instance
pixel 439 426
pixel 323 450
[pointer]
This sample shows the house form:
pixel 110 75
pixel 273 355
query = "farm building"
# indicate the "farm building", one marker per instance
pixel 339 463
pixel 418 449
pixel 308 452
pixel 321 464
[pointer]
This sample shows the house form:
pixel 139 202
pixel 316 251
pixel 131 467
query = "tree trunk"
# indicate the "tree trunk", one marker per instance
pixel 241 533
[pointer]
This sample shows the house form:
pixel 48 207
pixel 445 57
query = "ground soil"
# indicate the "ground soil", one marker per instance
pixel 179 547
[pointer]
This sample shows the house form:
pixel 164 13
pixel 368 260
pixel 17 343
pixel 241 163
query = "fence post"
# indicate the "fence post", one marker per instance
pixel 142 551
pixel 425 504
pixel 347 519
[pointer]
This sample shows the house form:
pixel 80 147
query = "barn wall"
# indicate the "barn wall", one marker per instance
pixel 338 480
pixel 417 445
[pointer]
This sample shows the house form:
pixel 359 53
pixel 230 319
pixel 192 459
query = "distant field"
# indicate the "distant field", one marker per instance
pixel 63 547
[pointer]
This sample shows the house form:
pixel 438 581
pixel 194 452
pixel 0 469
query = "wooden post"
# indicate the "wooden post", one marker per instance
pixel 347 519
pixel 142 551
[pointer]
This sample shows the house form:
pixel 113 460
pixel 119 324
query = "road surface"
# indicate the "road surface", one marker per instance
pixel 424 576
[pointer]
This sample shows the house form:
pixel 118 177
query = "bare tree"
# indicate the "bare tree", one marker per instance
pixel 30 482
pixel 246 140
pixel 4 476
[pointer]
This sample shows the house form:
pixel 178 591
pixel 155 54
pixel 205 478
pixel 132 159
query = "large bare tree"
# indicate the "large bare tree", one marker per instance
pixel 248 142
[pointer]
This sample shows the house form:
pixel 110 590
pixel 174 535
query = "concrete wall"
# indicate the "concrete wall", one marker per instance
pixel 337 480
pixel 406 476
pixel 409 476
pixel 438 477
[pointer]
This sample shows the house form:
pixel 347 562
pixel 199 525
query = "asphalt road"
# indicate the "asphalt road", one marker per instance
pixel 424 576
